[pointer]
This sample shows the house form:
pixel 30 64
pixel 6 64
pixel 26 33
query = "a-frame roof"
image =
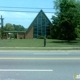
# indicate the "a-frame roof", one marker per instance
pixel 41 11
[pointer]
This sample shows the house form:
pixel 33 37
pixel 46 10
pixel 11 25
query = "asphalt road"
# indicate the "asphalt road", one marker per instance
pixel 39 65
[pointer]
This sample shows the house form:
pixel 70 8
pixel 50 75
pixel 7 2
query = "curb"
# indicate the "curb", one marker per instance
pixel 39 48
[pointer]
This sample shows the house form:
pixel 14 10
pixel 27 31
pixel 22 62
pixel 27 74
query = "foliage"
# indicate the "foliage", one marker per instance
pixel 41 37
pixel 18 28
pixel 78 31
pixel 13 27
pixel 8 27
pixel 49 37
pixel 66 20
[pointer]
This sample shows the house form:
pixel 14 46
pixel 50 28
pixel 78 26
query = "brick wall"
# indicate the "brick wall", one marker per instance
pixel 29 33
pixel 20 35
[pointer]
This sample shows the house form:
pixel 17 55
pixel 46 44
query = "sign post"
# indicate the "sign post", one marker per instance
pixel 44 41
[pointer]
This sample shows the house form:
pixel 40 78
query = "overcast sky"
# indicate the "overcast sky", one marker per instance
pixel 24 18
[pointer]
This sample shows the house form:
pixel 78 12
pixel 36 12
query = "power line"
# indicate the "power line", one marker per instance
pixel 24 11
pixel 24 7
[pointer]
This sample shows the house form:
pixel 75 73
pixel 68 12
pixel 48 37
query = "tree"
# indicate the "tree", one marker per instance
pixel 8 27
pixel 78 31
pixel 18 27
pixel 66 20
pixel 78 26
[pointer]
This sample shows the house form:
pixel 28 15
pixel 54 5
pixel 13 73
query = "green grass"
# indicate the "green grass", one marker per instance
pixel 21 43
pixel 37 44
pixel 63 43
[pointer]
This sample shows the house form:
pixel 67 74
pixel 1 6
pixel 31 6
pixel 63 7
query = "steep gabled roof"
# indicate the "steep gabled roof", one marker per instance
pixel 41 11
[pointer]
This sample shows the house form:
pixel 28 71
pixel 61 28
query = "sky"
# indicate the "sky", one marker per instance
pixel 24 18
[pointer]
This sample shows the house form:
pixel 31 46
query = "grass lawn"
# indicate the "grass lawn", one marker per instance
pixel 38 43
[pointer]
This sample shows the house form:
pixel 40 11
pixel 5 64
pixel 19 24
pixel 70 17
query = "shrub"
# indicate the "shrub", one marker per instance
pixel 41 37
pixel 49 37
pixel 20 37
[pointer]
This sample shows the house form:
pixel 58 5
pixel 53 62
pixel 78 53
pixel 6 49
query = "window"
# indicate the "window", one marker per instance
pixel 35 29
pixel 41 25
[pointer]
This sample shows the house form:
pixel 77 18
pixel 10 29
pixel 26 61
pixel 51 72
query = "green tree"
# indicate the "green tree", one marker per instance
pixel 18 27
pixel 78 26
pixel 66 20
pixel 78 31
pixel 8 27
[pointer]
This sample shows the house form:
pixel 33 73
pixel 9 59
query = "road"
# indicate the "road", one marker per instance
pixel 39 65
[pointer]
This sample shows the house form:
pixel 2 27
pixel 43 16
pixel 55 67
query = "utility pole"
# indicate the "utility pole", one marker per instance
pixel 1 27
